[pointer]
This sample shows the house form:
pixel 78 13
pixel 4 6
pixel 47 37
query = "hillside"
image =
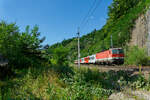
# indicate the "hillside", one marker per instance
pixel 122 17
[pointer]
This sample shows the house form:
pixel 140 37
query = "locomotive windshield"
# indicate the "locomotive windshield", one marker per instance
pixel 82 59
pixel 92 58
pixel 117 51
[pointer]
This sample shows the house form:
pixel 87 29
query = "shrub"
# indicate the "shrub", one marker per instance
pixel 58 56
pixel 139 83
pixel 136 56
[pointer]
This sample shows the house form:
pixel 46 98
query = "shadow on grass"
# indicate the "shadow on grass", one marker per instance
pixel 63 71
pixel 11 83
pixel 111 80
pixel 114 80
pixel 7 95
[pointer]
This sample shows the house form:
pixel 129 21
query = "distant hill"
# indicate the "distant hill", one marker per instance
pixel 122 15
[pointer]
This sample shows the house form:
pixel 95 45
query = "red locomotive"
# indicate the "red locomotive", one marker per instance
pixel 111 56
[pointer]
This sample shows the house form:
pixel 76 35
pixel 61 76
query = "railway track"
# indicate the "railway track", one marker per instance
pixel 117 68
pixel 132 70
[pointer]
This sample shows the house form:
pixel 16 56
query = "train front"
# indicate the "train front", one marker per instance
pixel 117 55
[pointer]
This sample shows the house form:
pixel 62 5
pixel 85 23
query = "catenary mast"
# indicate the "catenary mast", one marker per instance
pixel 78 48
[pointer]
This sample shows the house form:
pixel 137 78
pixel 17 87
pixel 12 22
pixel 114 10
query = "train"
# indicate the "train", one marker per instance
pixel 111 56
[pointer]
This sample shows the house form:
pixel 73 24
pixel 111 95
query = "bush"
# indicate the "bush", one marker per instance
pixel 58 56
pixel 136 56
pixel 139 83
pixel 85 85
pixel 22 49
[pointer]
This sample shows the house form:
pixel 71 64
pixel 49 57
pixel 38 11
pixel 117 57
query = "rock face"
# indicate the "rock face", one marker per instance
pixel 148 31
pixel 130 95
pixel 141 32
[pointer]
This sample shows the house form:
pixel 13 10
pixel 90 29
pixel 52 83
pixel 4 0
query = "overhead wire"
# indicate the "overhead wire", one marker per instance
pixel 90 14
pixel 85 17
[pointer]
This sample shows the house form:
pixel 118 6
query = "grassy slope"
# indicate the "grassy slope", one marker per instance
pixel 120 29
pixel 54 84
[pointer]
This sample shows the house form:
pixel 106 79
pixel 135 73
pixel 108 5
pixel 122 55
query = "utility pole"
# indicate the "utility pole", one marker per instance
pixel 78 48
pixel 103 41
pixel 118 39
pixel 111 42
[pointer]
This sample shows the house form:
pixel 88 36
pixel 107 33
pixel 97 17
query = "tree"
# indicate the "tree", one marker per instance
pixel 59 56
pixel 120 7
pixel 31 46
pixel 21 49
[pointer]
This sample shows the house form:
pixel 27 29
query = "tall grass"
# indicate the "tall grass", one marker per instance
pixel 50 85
pixel 83 84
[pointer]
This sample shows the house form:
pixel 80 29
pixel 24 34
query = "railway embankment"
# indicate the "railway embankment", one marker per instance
pixel 133 70
pixel 130 86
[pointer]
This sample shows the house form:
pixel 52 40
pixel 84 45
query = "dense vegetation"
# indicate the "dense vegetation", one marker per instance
pixel 53 83
pixel 39 72
pixel 122 15
pixel 136 56
pixel 22 49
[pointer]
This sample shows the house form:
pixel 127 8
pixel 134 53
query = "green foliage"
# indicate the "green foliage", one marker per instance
pixel 49 85
pixel 58 56
pixel 35 79
pixel 121 7
pixel 85 84
pixel 22 49
pixel 136 56
pixel 139 83
pixel 30 46
pixel 9 34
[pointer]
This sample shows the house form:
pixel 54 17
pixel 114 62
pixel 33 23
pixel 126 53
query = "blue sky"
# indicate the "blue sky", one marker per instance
pixel 57 19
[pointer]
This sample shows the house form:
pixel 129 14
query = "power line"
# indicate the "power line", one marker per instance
pixel 84 19
pixel 78 33
pixel 78 47
pixel 92 12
